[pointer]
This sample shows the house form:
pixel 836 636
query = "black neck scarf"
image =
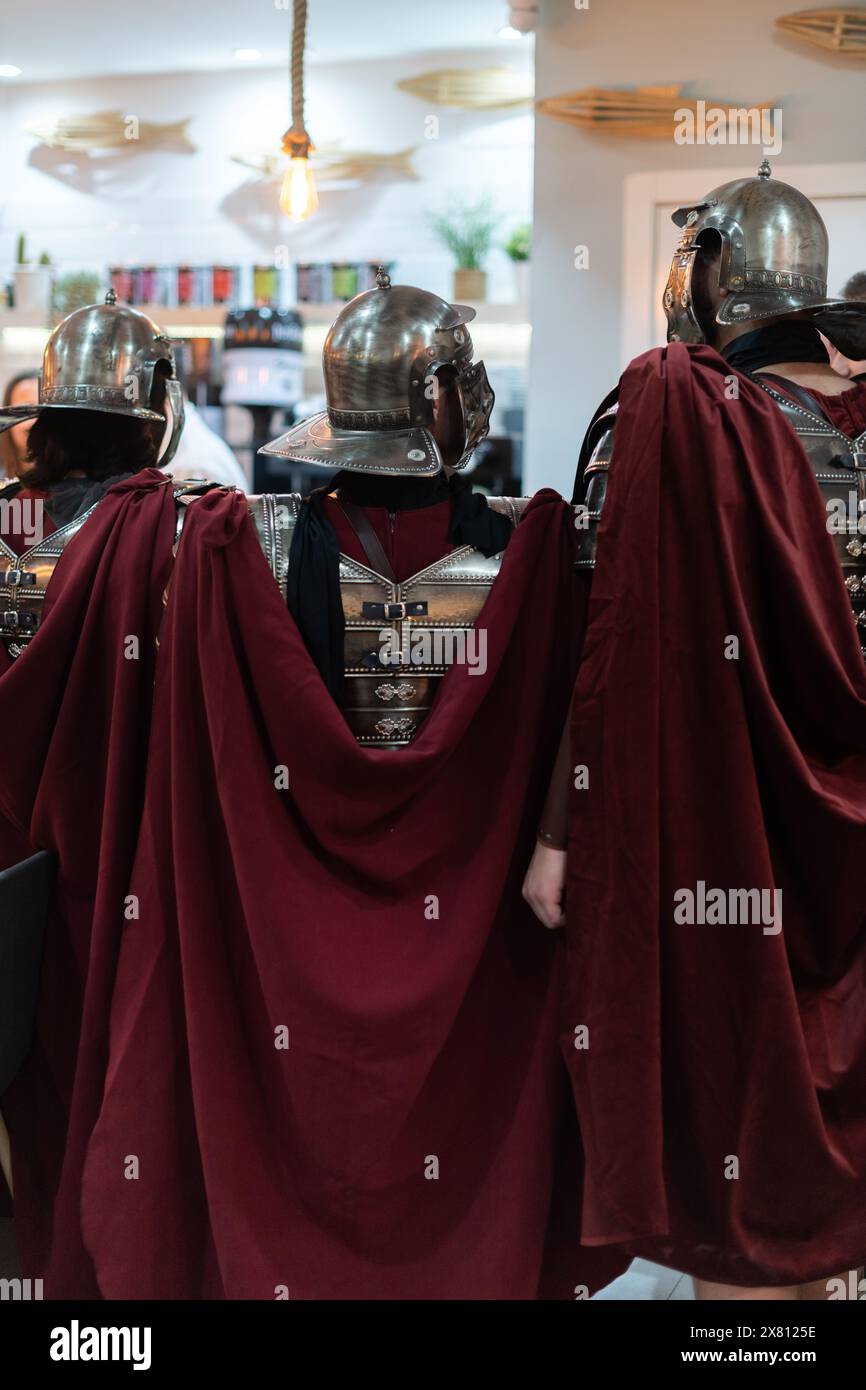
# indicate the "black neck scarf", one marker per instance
pixel 313 583
pixel 791 340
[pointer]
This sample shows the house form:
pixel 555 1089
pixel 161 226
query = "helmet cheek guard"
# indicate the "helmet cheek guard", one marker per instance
pixel 683 325
pixel 476 399
pixel 176 413
pixel 473 399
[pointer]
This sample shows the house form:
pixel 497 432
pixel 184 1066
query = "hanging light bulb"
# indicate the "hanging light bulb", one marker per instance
pixel 298 197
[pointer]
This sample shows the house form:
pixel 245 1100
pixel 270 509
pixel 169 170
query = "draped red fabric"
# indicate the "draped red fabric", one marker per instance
pixel 76 706
pixel 721 1085
pixel 334 1060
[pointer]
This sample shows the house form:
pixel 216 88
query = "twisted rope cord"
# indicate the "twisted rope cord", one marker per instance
pixel 299 26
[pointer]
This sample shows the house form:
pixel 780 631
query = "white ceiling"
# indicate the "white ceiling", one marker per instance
pixel 53 39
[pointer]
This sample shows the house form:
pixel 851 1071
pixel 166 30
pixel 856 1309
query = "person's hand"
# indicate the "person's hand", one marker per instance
pixel 544 885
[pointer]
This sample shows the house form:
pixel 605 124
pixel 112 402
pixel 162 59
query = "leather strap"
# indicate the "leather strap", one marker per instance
pixel 793 389
pixel 370 543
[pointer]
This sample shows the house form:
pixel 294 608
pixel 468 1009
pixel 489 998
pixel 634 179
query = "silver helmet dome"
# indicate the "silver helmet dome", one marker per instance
pixel 774 252
pixel 380 361
pixel 111 359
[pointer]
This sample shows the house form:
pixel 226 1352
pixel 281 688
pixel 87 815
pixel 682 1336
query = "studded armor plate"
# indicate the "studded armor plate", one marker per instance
pixel 427 615
pixel 839 465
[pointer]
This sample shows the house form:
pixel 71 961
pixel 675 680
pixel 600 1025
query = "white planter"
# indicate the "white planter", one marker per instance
pixel 33 288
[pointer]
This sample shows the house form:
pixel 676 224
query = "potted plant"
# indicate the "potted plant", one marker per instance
pixel 517 248
pixel 32 282
pixel 468 234
pixel 75 290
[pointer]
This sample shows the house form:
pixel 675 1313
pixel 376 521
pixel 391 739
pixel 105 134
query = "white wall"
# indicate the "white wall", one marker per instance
pixel 139 206
pixel 728 53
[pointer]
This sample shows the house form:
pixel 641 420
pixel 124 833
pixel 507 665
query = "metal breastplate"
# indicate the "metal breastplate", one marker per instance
pixel 839 465
pixel 418 624
pixel 24 578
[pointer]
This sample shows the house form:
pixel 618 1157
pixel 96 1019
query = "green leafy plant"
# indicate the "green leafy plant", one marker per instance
pixel 21 250
pixel 75 290
pixel 44 259
pixel 467 232
pixel 519 244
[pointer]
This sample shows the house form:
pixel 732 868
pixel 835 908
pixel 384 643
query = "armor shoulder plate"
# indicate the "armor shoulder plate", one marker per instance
pixel 184 493
pixel 594 489
pixel 512 507
pixel 273 516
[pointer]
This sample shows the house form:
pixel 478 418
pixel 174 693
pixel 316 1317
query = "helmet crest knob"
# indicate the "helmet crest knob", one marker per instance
pixel 111 297
pixel 383 279
pixel 765 171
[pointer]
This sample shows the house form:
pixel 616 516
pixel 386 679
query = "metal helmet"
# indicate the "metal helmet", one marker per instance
pixel 107 357
pixel 380 361
pixel 773 262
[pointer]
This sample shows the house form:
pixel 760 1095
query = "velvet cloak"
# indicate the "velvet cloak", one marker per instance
pixel 721 1086
pixel 75 710
pixel 334 1068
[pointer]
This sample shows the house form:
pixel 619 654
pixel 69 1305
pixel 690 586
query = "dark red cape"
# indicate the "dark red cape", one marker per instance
pixel 711 1042
pixel 373 911
pixel 76 707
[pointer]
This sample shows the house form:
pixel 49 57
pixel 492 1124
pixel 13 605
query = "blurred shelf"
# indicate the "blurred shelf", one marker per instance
pixel 24 318
pixel 180 322
pixel 501 333
pixel 184 318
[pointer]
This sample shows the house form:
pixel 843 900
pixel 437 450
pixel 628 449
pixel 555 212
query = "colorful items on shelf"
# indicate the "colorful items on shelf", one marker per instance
pixel 326 282
pixel 174 286
pixel 194 287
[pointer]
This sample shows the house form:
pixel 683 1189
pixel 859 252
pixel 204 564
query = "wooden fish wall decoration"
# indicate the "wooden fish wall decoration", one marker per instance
pixel 839 31
pixel 471 89
pixel 110 130
pixel 649 113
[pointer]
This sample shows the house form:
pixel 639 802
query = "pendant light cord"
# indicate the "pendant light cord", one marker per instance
pixel 299 26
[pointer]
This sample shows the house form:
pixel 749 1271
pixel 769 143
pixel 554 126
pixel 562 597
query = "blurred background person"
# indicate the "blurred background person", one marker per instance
pixel 22 389
pixel 201 453
pixel 855 288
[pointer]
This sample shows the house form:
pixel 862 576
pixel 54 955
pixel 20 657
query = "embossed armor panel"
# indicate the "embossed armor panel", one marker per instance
pixel 400 637
pixel 839 465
